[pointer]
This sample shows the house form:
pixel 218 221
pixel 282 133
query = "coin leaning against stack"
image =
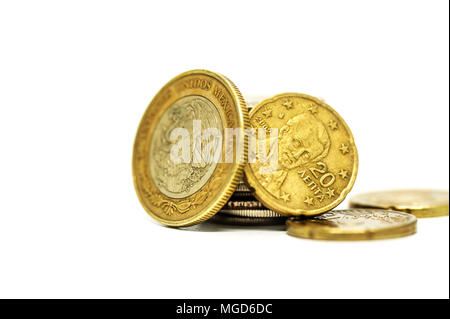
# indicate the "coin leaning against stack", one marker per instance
pixel 316 164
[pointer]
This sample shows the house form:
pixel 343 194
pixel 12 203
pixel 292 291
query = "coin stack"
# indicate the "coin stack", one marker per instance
pixel 244 209
pixel 307 164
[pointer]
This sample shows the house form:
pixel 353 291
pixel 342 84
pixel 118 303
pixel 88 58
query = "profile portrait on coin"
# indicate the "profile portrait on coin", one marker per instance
pixel 312 164
pixel 302 140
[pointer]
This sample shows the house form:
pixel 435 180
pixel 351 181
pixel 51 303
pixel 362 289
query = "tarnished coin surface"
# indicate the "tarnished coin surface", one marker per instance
pixel 420 203
pixel 189 191
pixel 243 204
pixel 317 159
pixel 354 224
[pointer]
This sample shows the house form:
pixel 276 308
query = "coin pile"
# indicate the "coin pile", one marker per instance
pixel 244 209
pixel 299 169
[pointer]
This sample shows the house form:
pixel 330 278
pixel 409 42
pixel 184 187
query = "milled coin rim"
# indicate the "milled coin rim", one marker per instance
pixel 252 213
pixel 225 219
pixel 424 211
pixel 295 228
pixel 272 204
pixel 235 174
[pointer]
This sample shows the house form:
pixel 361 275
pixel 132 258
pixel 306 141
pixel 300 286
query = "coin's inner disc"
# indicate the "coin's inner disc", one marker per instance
pixel 182 179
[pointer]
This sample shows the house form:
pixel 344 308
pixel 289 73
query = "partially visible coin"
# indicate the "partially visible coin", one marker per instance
pixel 255 213
pixel 242 192
pixel 354 224
pixel 183 193
pixel 243 204
pixel 316 162
pixel 420 203
pixel 253 100
pixel 242 188
pixel 247 221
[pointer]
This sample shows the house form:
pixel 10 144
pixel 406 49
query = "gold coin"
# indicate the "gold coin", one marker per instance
pixel 189 192
pixel 317 156
pixel 354 224
pixel 420 203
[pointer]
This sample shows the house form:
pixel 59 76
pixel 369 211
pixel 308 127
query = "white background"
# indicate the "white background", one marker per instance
pixel 76 77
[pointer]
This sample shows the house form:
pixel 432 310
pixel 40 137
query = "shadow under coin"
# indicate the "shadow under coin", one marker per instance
pixel 210 226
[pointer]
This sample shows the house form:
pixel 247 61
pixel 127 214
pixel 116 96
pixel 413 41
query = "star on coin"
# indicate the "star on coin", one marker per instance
pixel 309 141
pixel 321 196
pixel 343 173
pixel 309 201
pixel 288 104
pixel 267 113
pixel 330 192
pixel 313 109
pixel 344 149
pixel 333 125
pixel 286 197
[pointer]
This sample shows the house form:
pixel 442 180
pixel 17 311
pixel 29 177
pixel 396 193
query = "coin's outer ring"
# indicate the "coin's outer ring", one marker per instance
pixel 426 211
pixel 324 232
pixel 232 172
pixel 271 203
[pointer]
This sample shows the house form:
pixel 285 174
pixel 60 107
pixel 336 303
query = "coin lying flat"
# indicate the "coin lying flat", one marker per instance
pixel 189 191
pixel 242 188
pixel 251 213
pixel 420 203
pixel 242 192
pixel 243 204
pixel 317 159
pixel 247 221
pixel 354 224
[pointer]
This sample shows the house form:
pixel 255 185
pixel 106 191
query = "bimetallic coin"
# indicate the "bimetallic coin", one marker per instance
pixel 354 224
pixel 189 191
pixel 247 221
pixel 420 203
pixel 252 213
pixel 315 163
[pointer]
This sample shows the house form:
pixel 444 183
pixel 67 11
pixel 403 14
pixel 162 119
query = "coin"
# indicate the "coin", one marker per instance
pixel 317 159
pixel 252 213
pixel 253 100
pixel 420 203
pixel 247 221
pixel 187 193
pixel 354 224
pixel 243 204
pixel 242 192
pixel 243 188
